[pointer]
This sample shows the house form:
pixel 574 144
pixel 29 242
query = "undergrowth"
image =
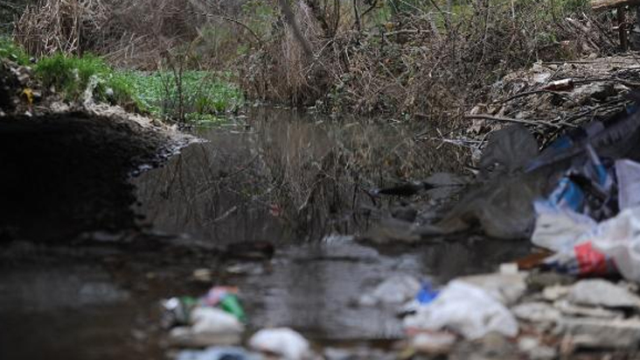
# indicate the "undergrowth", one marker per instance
pixel 417 59
pixel 10 50
pixel 205 95
pixel 71 76
pixel 405 58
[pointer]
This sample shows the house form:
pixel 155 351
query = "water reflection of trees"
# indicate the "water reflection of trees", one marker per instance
pixel 285 171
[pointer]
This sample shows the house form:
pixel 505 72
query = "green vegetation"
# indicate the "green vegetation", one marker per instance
pixel 193 96
pixel 203 94
pixel 9 50
pixel 72 75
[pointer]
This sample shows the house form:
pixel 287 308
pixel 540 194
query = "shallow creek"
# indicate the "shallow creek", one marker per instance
pixel 275 181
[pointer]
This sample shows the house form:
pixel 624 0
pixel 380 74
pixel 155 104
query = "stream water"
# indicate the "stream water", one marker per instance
pixel 278 183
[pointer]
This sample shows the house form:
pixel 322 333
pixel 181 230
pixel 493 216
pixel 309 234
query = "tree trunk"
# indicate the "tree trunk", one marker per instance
pixel 291 20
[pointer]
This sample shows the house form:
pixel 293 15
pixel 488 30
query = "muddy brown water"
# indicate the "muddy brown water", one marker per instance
pixel 295 182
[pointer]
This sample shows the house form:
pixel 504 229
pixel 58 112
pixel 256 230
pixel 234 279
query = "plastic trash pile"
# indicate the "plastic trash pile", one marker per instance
pixel 579 292
pixel 211 328
pixel 592 220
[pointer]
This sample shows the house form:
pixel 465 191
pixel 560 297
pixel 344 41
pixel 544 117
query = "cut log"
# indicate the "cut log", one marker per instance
pixel 611 4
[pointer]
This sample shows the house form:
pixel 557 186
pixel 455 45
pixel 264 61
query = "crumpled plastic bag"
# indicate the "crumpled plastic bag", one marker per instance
pixel 465 309
pixel 284 342
pixel 559 229
pixel 628 175
pixel 619 238
pixel 609 247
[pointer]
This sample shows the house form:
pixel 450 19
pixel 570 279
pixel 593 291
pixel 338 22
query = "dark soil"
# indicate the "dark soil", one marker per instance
pixel 67 173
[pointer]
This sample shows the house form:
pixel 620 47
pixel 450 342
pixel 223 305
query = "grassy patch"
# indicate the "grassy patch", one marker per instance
pixel 9 50
pixel 71 76
pixel 204 94
pixel 193 96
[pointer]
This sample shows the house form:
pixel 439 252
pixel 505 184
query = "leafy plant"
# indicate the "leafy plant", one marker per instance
pixel 203 93
pixel 72 75
pixel 10 50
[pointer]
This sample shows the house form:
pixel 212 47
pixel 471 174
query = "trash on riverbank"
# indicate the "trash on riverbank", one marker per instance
pixel 283 342
pixel 217 318
pixel 465 309
pixel 217 353
pixel 395 290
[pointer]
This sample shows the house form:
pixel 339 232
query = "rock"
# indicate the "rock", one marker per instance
pixel 506 288
pixel 568 308
pixel 184 336
pixel 598 91
pixel 492 346
pixel 539 281
pixel 553 293
pixel 534 350
pixel 203 275
pixel 509 269
pixel 433 343
pixel 359 353
pixel 395 290
pixel 406 213
pixel 598 292
pixel 601 333
pixel 537 312
pixel 283 342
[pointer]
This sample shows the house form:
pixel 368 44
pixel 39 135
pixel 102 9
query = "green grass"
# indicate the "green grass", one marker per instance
pixel 9 50
pixel 71 76
pixel 205 94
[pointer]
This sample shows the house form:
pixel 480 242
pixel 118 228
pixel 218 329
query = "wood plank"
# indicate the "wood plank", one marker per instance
pixel 611 4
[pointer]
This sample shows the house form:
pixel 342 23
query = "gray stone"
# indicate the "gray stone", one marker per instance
pixel 537 312
pixel 567 308
pixel 534 350
pixel 433 343
pixel 598 91
pixel 598 292
pixel 539 281
pixel 395 290
pixel 601 333
pixel 491 347
pixel 553 293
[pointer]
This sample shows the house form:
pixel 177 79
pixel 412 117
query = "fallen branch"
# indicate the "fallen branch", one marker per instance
pixel 512 120
pixel 516 96
pixel 624 82
pixel 226 214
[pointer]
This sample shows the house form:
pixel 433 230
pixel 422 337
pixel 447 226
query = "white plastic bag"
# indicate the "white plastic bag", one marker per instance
pixel 619 238
pixel 214 321
pixel 283 342
pixel 628 174
pixel 465 309
pixel 559 229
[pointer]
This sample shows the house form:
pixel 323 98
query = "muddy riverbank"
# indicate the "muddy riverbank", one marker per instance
pixel 67 172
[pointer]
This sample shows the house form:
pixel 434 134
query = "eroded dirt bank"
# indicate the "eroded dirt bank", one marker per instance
pixel 65 166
